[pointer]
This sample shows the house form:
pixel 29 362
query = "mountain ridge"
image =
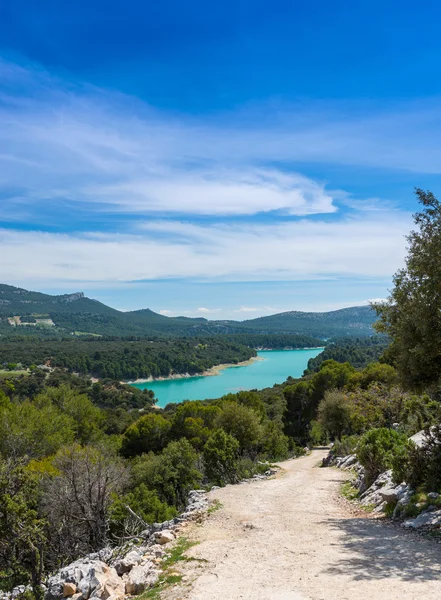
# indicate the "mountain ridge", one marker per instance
pixel 76 312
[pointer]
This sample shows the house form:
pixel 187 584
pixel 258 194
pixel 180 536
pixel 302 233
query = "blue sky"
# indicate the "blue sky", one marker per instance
pixel 225 160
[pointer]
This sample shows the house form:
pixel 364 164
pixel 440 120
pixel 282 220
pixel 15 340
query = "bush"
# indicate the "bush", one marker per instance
pixel 243 423
pixel 275 444
pixel 334 413
pixel 147 434
pixel 145 504
pixel 347 445
pixel 220 457
pixel 377 450
pixel 421 466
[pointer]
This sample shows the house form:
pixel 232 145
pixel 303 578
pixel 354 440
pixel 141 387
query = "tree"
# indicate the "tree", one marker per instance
pixel 22 531
pixel 87 417
pixel 412 314
pixel 173 473
pixel 275 444
pixel 27 429
pixel 220 457
pixel 147 434
pixel 241 422
pixel 334 413
pixel 77 500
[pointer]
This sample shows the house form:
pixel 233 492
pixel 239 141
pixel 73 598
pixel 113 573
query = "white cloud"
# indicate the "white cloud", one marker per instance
pixel 369 247
pixel 61 141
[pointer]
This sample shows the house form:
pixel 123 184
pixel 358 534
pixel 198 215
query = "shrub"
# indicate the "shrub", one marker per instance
pixel 275 443
pixel 145 504
pixel 421 466
pixel 334 413
pixel 347 445
pixel 149 433
pixel 377 449
pixel 220 457
pixel 241 422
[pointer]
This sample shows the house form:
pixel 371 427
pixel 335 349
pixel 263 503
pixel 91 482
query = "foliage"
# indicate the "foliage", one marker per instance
pixel 359 352
pixel 243 423
pixel 303 397
pixel 173 473
pixel 275 444
pixel 77 501
pixel 346 445
pixel 412 314
pixel 421 466
pixel 22 530
pixel 34 430
pixel 220 457
pixel 377 449
pixel 132 511
pixel 147 434
pixel 334 413
pixel 118 359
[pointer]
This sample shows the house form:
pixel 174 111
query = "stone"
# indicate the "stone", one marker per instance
pixel 433 495
pixel 69 589
pixel 426 519
pixel 111 586
pixel 389 495
pixel 141 578
pixel 164 537
pixel 125 564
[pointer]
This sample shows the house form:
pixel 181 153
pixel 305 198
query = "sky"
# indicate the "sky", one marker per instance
pixel 225 160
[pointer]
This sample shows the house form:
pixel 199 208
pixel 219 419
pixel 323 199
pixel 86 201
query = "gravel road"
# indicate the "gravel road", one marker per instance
pixel 292 538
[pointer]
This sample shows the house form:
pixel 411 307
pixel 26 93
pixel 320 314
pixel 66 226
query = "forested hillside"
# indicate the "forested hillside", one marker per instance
pixel 75 314
pixel 118 359
pixel 359 352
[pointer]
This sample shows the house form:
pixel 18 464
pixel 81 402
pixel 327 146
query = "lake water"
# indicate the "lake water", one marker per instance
pixel 276 367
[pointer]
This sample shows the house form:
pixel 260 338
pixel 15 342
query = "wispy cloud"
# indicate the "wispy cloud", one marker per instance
pixel 294 250
pixel 63 141
pixel 194 185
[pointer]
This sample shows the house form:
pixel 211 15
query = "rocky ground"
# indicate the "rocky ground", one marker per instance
pixel 293 538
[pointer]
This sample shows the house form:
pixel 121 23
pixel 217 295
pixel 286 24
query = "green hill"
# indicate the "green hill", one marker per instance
pixel 26 312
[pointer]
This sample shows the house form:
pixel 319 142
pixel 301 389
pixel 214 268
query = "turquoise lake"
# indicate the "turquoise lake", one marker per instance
pixel 275 368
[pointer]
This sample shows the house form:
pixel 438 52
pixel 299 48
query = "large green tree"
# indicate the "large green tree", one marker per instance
pixel 412 314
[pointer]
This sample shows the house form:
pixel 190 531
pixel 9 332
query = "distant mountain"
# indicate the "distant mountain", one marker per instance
pixel 354 321
pixel 23 311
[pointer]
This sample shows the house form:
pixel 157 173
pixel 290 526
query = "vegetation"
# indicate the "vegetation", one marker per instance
pixel 85 463
pixel 412 314
pixel 73 313
pixel 359 352
pixel 118 359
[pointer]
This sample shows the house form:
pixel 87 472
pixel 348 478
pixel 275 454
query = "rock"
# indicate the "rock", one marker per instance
pixel 141 577
pixel 164 537
pixel 111 586
pixel 69 589
pixel 125 564
pixel 95 578
pixel 433 495
pixel 426 519
pixel 389 495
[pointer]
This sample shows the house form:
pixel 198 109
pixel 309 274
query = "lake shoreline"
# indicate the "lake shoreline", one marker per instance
pixel 213 371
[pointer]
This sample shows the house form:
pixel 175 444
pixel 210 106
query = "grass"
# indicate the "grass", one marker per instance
pixel 216 505
pixel 168 578
pixel 349 491
pixel 6 374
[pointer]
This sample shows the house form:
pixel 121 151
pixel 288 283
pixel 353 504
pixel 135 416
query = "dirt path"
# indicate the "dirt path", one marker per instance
pixel 290 538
